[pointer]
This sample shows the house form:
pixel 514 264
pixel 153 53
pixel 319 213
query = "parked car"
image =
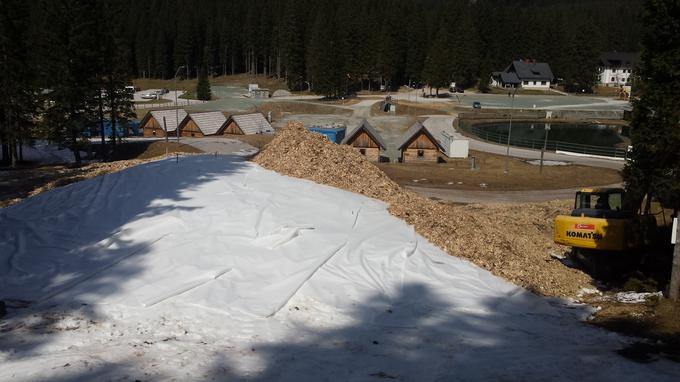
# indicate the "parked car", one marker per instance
pixel 476 105
pixel 152 95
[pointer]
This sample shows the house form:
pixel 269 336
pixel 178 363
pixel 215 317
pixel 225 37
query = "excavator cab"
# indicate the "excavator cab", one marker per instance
pixel 598 221
pixel 601 203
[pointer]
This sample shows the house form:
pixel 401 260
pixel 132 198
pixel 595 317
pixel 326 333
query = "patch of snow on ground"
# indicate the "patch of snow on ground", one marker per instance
pixel 214 268
pixel 537 162
pixel 636 298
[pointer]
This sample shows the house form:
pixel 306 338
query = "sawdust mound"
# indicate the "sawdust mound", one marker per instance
pixel 513 241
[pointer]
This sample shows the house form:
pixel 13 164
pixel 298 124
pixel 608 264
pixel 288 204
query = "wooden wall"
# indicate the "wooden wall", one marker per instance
pixel 366 146
pixel 232 129
pixel 190 129
pixel 153 129
pixel 363 140
pixel 372 154
pixel 422 144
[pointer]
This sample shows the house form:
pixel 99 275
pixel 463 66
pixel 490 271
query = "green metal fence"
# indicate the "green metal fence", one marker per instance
pixel 502 138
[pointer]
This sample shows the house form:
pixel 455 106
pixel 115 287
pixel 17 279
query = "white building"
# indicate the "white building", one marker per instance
pixel 616 68
pixel 527 74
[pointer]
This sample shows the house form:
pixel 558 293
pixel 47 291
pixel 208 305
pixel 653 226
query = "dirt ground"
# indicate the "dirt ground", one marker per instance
pixel 457 174
pixel 258 140
pixel 280 109
pixel 657 321
pixel 28 180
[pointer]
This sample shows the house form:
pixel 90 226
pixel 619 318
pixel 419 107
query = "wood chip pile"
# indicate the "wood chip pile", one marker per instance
pixel 513 241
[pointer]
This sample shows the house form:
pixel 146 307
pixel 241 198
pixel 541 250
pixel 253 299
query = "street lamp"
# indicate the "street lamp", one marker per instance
pixel 507 152
pixel 177 105
pixel 545 144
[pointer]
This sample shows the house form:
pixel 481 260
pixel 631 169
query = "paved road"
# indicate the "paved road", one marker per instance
pixel 470 196
pixel 502 101
pixel 492 148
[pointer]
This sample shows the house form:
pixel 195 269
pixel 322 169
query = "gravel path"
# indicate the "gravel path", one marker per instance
pixel 485 197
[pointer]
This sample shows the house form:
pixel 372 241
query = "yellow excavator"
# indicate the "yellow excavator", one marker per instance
pixel 601 226
pixel 598 221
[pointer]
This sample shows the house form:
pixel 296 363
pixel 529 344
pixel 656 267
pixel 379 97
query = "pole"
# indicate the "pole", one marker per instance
pixel 545 145
pixel 177 104
pixel 165 127
pixel 674 287
pixel 507 152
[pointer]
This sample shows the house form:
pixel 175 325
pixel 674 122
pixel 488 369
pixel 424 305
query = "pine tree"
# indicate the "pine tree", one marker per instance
pixel 17 89
pixel 464 54
pixel 437 71
pixel 203 86
pixel 581 58
pixel 416 50
pixel 71 55
pixel 654 166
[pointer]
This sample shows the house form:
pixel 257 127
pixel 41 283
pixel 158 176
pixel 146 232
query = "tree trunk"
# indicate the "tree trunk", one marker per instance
pixel 13 153
pixel 278 66
pixel 101 128
pixel 74 146
pixel 12 142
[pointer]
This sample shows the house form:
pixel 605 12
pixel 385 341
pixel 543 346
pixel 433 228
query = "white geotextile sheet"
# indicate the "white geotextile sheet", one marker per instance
pixel 222 234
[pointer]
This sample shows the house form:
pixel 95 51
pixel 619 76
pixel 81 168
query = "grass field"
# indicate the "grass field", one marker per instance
pixel 241 80
pixel 456 174
pixel 280 109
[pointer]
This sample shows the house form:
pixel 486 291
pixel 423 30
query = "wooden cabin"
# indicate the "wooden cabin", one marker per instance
pixel 201 124
pixel 152 123
pixel 247 124
pixel 419 145
pixel 366 140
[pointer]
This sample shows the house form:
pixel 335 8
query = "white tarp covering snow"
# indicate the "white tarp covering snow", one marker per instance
pixel 214 268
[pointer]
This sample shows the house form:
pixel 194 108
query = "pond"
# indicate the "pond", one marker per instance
pixel 586 138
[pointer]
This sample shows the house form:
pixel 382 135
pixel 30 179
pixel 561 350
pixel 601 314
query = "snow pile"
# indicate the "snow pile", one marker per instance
pixel 512 241
pixel 548 163
pixel 214 268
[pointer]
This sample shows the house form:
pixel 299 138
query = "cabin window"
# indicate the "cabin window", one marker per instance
pixel 193 135
pixel 421 153
pixel 543 82
pixel 613 79
pixel 154 132
pixel 526 82
pixel 362 151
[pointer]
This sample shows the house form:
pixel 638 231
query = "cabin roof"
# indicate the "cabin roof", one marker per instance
pixel 254 123
pixel 210 122
pixel 173 117
pixel 370 130
pixel 413 131
pixel 530 70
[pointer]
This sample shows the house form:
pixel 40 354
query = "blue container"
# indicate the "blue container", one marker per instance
pixel 334 134
pixel 129 128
